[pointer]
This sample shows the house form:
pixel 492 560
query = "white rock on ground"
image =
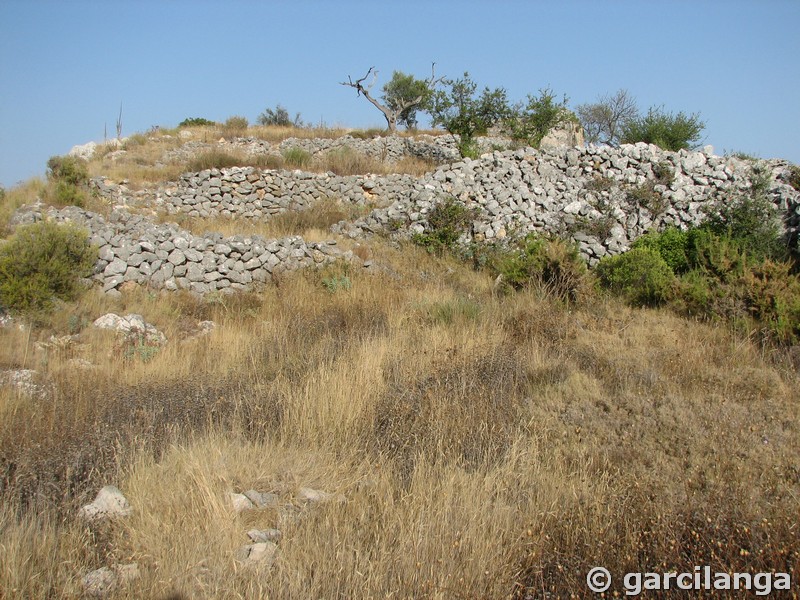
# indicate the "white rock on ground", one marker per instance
pixel 131 325
pixel 110 503
pixel 262 553
pixel 240 502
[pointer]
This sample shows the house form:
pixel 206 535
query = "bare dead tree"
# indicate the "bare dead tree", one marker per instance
pixel 394 109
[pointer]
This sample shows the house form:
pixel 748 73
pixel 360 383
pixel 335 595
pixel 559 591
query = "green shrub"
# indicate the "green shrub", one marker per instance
pixel 447 222
pixel 68 178
pixel 762 298
pixel 296 158
pixel 664 173
pixel 41 262
pixel 196 122
pixel 464 113
pixel 550 264
pixel 235 126
pixel 66 194
pixel 279 117
pixel 640 275
pixel 719 256
pixel 335 283
pixel 543 113
pixel 68 169
pixel 453 311
pixel 773 297
pixel 666 130
pixel 751 219
pixel 600 183
pixel 671 244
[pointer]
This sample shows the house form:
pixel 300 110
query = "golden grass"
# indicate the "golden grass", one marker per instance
pixel 484 446
pixel 312 224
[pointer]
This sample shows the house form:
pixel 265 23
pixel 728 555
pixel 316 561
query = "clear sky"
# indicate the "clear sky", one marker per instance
pixel 65 66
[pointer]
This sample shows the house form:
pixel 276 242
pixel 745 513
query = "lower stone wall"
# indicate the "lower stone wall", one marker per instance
pixel 132 248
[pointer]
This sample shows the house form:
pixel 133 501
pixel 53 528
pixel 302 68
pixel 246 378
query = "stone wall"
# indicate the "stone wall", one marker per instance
pixel 246 192
pixel 133 248
pixel 603 198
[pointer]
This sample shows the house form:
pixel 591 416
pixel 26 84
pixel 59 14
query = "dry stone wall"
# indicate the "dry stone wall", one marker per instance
pixel 246 192
pixel 132 248
pixel 603 198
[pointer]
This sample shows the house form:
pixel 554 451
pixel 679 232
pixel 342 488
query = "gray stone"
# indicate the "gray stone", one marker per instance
pixel 110 503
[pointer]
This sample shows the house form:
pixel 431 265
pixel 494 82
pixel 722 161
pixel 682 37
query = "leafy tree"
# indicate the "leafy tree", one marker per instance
pixel 279 117
pixel 531 122
pixel 666 130
pixel 604 120
pixel 461 111
pixel 403 95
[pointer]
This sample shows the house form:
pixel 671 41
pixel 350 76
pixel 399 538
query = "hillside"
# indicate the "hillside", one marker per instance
pixel 310 364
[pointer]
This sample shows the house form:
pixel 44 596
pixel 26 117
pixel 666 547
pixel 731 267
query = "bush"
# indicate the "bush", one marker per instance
pixel 751 219
pixel 550 264
pixel 666 130
pixel 646 196
pixel 68 177
pixel 41 262
pixel 763 298
pixel 279 117
pixel 447 222
pixel 640 275
pixel 671 244
pixel 543 113
pixel 235 126
pixel 196 122
pixel 68 169
pixel 463 113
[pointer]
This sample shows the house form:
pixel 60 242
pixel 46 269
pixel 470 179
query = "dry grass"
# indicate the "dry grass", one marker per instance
pixel 24 193
pixel 484 446
pixel 143 166
pixel 312 223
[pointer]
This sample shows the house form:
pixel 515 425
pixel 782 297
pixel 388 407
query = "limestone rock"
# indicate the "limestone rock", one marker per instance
pixel 110 503
pixel 241 503
pixel 261 554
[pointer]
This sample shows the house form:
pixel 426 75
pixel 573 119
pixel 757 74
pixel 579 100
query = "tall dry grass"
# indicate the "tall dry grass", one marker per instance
pixel 474 445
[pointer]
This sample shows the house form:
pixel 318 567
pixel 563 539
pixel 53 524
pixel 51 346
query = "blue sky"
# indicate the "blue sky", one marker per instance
pixel 65 66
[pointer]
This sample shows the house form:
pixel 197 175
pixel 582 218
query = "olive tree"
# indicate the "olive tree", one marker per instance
pixel 465 113
pixel 532 121
pixel 402 96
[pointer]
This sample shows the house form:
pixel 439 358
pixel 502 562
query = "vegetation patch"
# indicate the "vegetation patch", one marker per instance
pixel 43 262
pixel 448 220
